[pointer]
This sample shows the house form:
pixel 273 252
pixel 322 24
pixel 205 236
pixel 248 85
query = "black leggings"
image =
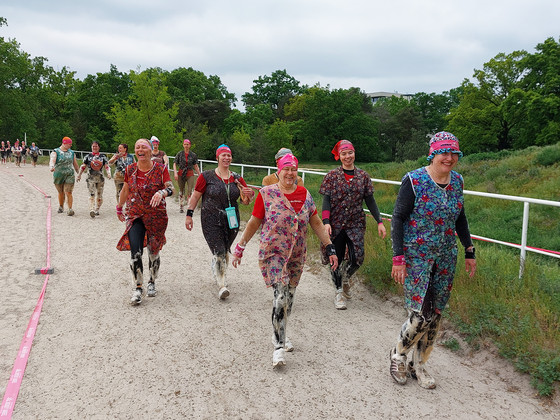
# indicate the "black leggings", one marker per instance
pixel 136 236
pixel 346 270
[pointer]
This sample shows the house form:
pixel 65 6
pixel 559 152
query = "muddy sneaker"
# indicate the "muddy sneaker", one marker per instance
pixel 97 212
pixel 346 290
pixel 136 296
pixel 425 380
pixel 288 346
pixel 278 358
pixel 339 300
pixel 398 367
pixel 151 289
pixel 223 293
pixel 181 209
pixel 70 212
pixel 92 214
pixel 60 209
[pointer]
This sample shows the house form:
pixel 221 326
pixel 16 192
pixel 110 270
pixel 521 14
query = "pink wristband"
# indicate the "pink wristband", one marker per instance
pixel 399 260
pixel 119 210
pixel 238 251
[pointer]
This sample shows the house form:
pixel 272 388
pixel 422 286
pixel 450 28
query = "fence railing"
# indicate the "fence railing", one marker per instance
pixel 523 247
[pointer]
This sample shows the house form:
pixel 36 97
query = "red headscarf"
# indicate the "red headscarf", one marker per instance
pixel 340 146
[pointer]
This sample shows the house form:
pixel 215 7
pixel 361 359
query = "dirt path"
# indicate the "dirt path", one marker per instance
pixel 185 354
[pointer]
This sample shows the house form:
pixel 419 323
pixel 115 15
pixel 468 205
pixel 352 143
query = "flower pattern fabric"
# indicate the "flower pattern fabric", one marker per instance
pixel 429 238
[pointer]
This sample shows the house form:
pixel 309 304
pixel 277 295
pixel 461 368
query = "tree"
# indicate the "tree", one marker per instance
pixel 274 90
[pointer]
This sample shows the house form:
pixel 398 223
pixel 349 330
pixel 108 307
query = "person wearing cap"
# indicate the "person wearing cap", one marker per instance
pixel 284 210
pixel 142 205
pixel 219 189
pixel 344 190
pixel 187 162
pixel 428 211
pixel 121 160
pixel 95 162
pixel 273 178
pixel 63 164
pixel 158 156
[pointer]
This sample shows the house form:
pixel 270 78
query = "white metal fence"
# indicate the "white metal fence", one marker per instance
pixel 523 247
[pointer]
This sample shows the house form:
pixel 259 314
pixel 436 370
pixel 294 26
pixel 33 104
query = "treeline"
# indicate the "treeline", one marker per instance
pixel 511 103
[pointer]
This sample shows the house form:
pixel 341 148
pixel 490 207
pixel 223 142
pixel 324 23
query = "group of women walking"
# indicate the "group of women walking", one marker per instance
pixel 429 210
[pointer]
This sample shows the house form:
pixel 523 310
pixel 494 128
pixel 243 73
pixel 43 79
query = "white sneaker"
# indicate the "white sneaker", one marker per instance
pixel 425 380
pixel 278 358
pixel 288 346
pixel 151 289
pixel 339 300
pixel 136 296
pixel 223 293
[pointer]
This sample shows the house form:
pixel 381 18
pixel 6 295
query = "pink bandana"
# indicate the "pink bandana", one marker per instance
pixel 66 140
pixel 340 146
pixel 287 160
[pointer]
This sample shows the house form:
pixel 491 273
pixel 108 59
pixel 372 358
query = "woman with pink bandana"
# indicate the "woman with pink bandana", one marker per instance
pixel 428 211
pixel 219 189
pixel 284 210
pixel 344 190
pixel 63 163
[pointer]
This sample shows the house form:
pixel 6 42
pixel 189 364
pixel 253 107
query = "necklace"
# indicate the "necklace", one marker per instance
pixel 221 177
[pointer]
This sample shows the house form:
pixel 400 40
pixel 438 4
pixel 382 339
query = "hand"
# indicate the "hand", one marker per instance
pixel 78 178
pixel 470 266
pixel 176 176
pixel 52 169
pixel 398 273
pixel 328 229
pixel 189 223
pixel 381 231
pixel 120 214
pixel 333 259
pixel 236 261
pixel 156 199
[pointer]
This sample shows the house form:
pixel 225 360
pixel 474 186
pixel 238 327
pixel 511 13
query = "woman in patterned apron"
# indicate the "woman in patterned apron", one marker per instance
pixel 146 185
pixel 121 159
pixel 284 210
pixel 63 164
pixel 344 190
pixel 428 211
pixel 219 214
pixel 95 162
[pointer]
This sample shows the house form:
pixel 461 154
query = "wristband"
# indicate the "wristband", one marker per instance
pixel 190 213
pixel 119 209
pixel 399 260
pixel 326 221
pixel 470 255
pixel 238 251
pixel 331 250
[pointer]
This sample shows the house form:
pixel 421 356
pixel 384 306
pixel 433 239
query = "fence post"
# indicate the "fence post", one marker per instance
pixel 524 238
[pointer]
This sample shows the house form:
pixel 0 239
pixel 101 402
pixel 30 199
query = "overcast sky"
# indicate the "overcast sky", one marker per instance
pixel 404 46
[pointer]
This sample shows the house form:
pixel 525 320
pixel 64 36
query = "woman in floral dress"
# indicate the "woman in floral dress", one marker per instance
pixel 146 185
pixel 284 210
pixel 428 211
pixel 344 190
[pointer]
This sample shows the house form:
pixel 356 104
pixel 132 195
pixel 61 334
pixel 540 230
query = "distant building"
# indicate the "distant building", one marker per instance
pixel 375 96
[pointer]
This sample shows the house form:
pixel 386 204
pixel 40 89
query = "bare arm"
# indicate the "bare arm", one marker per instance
pixel 52 160
pixel 190 207
pixel 252 226
pixel 123 196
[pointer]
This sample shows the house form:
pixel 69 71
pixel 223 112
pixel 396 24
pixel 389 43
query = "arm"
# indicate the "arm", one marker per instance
pixel 196 169
pixel 326 213
pixel 159 195
pixel 252 226
pixel 247 194
pixel 123 196
pixel 114 158
pixel 75 163
pixel 403 208
pixel 190 208
pixel 82 169
pixel 321 232
pixel 175 174
pixel 464 234
pixel 52 160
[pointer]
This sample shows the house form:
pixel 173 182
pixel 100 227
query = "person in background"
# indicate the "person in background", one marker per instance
pixel 219 189
pixel 95 162
pixel 344 191
pixel 3 152
pixel 17 152
pixel 273 178
pixel 146 186
pixel 24 150
pixel 8 151
pixel 34 152
pixel 63 164
pixel 284 210
pixel 158 156
pixel 187 162
pixel 428 211
pixel 121 159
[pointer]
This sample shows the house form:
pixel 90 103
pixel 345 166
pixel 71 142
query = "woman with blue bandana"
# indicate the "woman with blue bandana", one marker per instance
pixel 428 211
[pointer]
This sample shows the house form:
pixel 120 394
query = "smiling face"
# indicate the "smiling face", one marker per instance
pixel 155 145
pixel 347 157
pixel 288 176
pixel 445 162
pixel 143 151
pixel 224 160
pixel 186 147
pixel 121 149
pixel 95 148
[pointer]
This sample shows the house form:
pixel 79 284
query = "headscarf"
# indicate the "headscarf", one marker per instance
pixel 186 141
pixel 287 160
pixel 222 149
pixel 282 152
pixel 340 146
pixel 154 139
pixel 444 142
pixel 145 141
pixel 66 140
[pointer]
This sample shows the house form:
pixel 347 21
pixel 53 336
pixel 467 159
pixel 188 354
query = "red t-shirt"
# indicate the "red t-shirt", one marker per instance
pixel 141 177
pixel 200 185
pixel 296 199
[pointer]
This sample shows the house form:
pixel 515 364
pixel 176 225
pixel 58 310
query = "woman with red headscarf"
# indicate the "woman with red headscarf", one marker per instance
pixel 219 189
pixel 284 210
pixel 63 163
pixel 344 190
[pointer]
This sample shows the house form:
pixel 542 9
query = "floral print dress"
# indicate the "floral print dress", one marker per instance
pixel 430 246
pixel 283 248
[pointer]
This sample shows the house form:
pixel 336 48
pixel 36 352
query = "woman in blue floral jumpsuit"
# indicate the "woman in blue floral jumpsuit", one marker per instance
pixel 428 212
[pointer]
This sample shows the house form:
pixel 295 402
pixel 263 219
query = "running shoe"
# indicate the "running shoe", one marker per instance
pixel 92 214
pixel 346 290
pixel 339 300
pixel 151 289
pixel 398 367
pixel 70 212
pixel 278 358
pixel 136 296
pixel 223 293
pixel 60 209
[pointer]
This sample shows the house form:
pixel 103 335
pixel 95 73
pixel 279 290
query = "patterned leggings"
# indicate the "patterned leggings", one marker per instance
pixel 95 187
pixel 136 238
pixel 346 268
pixel 281 310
